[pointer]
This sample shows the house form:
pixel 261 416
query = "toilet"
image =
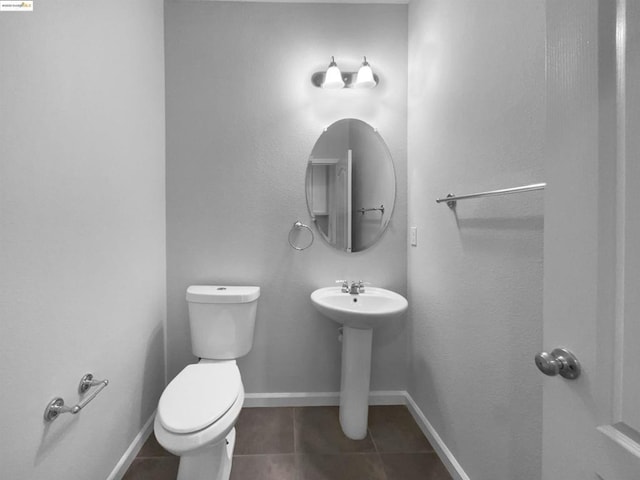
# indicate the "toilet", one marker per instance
pixel 199 408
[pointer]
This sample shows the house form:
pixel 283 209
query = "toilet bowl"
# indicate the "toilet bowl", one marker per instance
pixel 198 409
pixel 196 415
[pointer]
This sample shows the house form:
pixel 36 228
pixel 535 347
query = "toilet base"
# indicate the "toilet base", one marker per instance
pixel 212 463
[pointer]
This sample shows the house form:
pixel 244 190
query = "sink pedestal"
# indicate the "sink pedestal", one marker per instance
pixel 354 384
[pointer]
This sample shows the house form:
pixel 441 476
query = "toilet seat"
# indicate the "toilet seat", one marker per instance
pixel 199 396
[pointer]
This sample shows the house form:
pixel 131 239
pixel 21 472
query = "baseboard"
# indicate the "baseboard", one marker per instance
pixel 317 399
pixel 446 456
pixel 291 399
pixel 381 397
pixel 127 459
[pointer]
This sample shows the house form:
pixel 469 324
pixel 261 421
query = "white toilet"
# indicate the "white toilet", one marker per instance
pixel 198 409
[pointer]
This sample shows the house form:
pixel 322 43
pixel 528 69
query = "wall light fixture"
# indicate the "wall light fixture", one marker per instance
pixel 333 78
pixel 365 78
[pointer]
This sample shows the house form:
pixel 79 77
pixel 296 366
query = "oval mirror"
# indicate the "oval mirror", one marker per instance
pixel 350 185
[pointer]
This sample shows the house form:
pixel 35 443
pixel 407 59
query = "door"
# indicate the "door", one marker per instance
pixel 591 426
pixel 349 202
pixel 340 205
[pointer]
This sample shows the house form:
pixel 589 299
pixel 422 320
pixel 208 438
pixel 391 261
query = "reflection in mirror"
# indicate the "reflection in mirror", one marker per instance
pixel 351 185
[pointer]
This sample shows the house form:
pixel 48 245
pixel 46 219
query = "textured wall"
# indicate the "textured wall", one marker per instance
pixel 476 122
pixel 82 229
pixel 242 119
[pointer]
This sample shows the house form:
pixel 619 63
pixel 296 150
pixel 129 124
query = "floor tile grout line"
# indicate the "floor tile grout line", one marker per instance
pixel 406 451
pixel 377 450
pixel 384 469
pixel 375 445
pixel 264 455
pixel 155 456
pixel 293 420
pixel 335 454
pixel 298 469
pixel 332 454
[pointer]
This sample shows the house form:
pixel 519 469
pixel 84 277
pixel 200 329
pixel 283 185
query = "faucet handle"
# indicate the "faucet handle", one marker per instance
pixel 361 285
pixel 345 285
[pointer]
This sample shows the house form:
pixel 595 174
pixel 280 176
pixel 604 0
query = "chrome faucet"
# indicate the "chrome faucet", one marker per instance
pixel 354 289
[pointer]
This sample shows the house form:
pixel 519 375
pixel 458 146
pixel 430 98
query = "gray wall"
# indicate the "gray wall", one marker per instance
pixel 82 228
pixel 476 121
pixel 242 119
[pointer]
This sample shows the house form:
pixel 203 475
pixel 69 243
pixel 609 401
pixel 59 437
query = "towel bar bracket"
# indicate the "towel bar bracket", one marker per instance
pixel 451 203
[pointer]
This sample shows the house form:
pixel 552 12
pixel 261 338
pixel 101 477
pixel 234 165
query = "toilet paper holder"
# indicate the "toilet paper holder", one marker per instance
pixel 57 406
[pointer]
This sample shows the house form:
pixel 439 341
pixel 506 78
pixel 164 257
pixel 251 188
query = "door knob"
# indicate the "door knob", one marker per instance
pixel 559 361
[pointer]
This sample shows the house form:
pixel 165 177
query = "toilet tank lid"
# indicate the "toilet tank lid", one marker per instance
pixel 221 294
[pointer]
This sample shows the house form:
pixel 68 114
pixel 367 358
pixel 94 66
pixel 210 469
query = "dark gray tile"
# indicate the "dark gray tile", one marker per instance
pixel 393 429
pixel 264 430
pixel 158 468
pixel 347 466
pixel 152 448
pixel 414 466
pixel 263 467
pixel 317 430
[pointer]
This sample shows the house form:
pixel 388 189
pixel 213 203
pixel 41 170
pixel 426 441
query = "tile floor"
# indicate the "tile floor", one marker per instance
pixel 308 444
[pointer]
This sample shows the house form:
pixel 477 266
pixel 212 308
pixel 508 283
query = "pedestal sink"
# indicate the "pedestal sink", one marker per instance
pixel 359 314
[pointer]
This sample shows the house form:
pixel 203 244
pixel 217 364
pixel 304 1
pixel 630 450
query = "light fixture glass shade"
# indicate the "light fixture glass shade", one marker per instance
pixel 333 77
pixel 365 76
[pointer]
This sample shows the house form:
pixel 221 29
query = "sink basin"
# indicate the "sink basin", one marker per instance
pixel 374 307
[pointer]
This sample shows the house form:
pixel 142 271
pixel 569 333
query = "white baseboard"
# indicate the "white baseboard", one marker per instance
pixel 129 456
pixel 291 399
pixel 446 456
pixel 317 399
pixel 381 397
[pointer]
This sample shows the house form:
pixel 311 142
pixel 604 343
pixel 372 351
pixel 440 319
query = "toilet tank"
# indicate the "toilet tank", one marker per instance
pixel 222 320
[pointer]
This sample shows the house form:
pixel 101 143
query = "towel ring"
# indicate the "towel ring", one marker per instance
pixel 299 226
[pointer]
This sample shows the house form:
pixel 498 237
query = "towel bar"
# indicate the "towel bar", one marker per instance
pixel 57 406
